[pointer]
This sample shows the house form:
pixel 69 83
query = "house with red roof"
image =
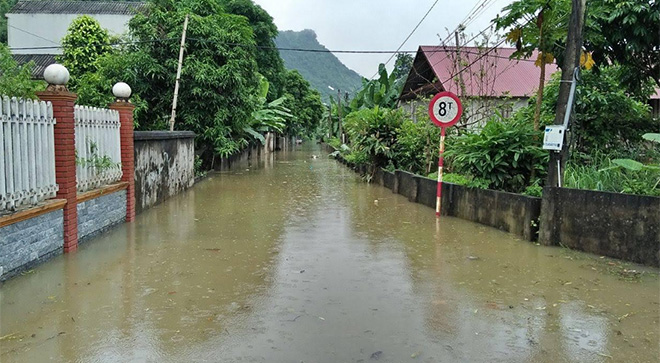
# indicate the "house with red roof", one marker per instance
pixel 486 79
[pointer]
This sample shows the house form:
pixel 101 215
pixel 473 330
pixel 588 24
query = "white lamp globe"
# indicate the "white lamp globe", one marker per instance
pixel 56 74
pixel 121 90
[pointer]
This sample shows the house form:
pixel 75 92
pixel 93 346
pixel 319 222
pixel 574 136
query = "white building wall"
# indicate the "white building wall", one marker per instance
pixel 47 30
pixel 479 110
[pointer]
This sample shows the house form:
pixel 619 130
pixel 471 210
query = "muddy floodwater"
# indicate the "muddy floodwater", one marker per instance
pixel 295 259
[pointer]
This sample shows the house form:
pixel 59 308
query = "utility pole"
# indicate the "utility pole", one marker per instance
pixel 571 62
pixel 330 120
pixel 341 130
pixel 178 73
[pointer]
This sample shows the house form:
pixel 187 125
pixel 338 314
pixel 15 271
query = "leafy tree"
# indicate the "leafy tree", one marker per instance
pixel 625 32
pixel 606 118
pixel 5 6
pixel 402 65
pixel 536 25
pixel 85 42
pixel 304 102
pixel 268 58
pixel 15 80
pixel 218 79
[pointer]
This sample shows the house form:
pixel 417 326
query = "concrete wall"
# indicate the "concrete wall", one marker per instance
pixel 164 165
pixel 514 213
pixel 26 243
pixel 98 215
pixel 48 30
pixel 616 225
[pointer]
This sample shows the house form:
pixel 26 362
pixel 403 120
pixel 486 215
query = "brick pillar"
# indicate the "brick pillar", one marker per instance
pixel 65 160
pixel 125 110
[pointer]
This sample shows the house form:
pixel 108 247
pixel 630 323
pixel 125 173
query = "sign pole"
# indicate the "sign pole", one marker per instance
pixel 445 110
pixel 438 201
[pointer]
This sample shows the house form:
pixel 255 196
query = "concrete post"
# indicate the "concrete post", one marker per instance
pixel 65 148
pixel 122 91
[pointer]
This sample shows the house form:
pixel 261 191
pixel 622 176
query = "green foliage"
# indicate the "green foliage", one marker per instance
pixel 5 6
pixel 467 180
pixel 268 116
pixel 15 80
pixel 402 65
pixel 218 81
pixel 320 69
pixel 374 132
pixel 357 157
pixel 380 92
pixel 304 102
pixel 96 162
pixel 85 42
pixel 417 146
pixel 625 32
pixel 601 172
pixel 268 59
pixel 334 143
pixel 534 190
pixel 605 115
pixel 553 24
pixel 504 152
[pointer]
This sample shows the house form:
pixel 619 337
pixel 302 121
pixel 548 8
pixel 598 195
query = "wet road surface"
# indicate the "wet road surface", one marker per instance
pixel 294 259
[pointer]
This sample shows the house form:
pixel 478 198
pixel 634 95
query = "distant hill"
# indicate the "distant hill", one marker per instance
pixel 319 69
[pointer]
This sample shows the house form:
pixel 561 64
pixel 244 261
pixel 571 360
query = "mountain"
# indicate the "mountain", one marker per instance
pixel 319 69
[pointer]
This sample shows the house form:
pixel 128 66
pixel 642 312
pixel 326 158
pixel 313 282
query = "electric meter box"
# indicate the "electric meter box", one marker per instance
pixel 554 137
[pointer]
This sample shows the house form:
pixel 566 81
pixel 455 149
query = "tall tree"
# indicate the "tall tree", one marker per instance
pixel 268 58
pixel 304 102
pixel 402 65
pixel 218 80
pixel 84 43
pixel 533 25
pixel 625 32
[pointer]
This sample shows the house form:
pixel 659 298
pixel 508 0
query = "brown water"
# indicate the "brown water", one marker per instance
pixel 293 260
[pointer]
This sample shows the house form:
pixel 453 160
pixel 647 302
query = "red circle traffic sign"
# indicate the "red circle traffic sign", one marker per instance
pixel 445 109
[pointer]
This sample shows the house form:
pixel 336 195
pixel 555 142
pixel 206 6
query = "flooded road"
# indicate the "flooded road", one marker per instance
pixel 295 259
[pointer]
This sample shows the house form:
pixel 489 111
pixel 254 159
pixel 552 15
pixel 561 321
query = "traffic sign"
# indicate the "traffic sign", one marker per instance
pixel 445 109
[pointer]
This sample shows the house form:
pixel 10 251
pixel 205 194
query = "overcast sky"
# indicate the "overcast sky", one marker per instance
pixel 376 24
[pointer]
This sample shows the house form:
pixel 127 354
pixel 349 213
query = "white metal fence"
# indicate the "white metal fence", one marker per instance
pixel 27 152
pixel 98 148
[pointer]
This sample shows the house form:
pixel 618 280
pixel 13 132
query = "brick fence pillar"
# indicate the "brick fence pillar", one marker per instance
pixel 65 159
pixel 125 110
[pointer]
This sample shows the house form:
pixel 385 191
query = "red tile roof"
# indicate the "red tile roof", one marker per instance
pixel 516 78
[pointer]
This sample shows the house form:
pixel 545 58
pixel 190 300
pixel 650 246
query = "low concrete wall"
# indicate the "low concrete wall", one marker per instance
pixel 164 165
pixel 616 225
pixel 98 215
pixel 514 213
pixel 29 242
pixel 251 152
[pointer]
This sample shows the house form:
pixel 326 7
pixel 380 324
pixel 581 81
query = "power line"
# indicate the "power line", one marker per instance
pixel 411 34
pixel 34 35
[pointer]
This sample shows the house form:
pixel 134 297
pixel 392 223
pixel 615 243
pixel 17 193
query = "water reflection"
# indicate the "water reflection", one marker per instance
pixel 290 259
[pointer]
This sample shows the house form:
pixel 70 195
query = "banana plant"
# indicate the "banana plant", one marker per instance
pixel 382 92
pixel 268 116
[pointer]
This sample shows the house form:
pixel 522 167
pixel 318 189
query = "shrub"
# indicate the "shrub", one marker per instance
pixel 417 147
pixel 506 153
pixel 374 132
